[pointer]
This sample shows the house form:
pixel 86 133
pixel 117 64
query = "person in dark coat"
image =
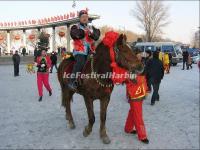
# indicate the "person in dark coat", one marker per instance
pixel 155 72
pixel 185 59
pixel 23 51
pixel 16 62
pixel 53 61
pixel 148 57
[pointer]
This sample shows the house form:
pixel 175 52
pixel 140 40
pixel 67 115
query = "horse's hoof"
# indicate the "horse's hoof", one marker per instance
pixel 106 140
pixel 86 132
pixel 72 126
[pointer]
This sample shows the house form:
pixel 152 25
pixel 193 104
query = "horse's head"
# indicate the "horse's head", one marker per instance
pixel 125 57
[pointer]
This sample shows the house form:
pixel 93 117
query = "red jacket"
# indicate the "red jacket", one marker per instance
pixel 83 38
pixel 136 91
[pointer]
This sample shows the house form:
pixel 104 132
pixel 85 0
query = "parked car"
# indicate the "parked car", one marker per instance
pixel 169 47
pixel 195 59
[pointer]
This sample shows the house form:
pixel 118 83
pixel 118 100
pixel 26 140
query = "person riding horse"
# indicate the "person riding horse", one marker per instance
pixel 84 37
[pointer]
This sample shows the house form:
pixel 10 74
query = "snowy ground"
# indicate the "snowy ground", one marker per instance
pixel 25 123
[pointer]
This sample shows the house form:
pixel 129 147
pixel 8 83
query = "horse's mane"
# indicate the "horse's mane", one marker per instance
pixel 102 58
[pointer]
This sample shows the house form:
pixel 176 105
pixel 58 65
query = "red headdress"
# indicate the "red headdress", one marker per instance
pixel 118 73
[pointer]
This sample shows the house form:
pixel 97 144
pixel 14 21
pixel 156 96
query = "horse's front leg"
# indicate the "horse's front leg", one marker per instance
pixel 91 117
pixel 103 110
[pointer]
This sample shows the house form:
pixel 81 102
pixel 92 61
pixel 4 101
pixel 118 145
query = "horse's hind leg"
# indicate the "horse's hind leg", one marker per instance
pixel 103 109
pixel 67 96
pixel 91 117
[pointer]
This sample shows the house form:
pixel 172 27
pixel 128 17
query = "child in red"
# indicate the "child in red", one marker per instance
pixel 136 92
pixel 43 64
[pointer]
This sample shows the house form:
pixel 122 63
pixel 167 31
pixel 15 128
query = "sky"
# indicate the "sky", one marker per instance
pixel 183 15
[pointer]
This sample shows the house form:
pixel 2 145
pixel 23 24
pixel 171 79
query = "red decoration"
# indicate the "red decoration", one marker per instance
pixel 109 40
pixel 58 18
pixel 55 18
pixel 61 34
pixel 31 37
pixel 65 16
pixel 61 17
pixel 1 37
pixel 52 19
pixel 33 21
pixel 17 37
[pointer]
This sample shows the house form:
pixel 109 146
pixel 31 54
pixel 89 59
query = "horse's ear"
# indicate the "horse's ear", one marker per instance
pixel 125 38
pixel 120 40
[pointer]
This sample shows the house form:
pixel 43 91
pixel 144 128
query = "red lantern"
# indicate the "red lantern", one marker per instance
pixel 5 24
pixel 17 37
pixel 31 37
pixel 1 37
pixel 61 34
pixel 49 20
pixel 12 24
pixel 58 18
pixel 15 23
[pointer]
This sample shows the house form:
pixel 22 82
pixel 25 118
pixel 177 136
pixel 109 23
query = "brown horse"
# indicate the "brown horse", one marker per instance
pixel 96 88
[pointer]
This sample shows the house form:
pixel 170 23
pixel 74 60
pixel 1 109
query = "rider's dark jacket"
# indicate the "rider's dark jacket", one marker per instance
pixel 84 37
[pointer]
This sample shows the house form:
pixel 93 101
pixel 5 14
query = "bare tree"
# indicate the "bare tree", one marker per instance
pixel 152 15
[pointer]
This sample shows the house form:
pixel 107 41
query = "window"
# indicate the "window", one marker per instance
pixel 150 47
pixel 168 48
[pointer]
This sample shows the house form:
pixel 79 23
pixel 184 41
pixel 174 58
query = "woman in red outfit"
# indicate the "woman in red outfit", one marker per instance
pixel 136 92
pixel 43 63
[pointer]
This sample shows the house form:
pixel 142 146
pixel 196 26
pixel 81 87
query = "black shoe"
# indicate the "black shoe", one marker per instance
pixel 50 93
pixel 50 71
pixel 152 103
pixel 158 98
pixel 146 141
pixel 40 99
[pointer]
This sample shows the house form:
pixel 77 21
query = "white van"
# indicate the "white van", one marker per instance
pixel 169 47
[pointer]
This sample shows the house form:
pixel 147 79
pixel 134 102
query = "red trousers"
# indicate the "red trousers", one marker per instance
pixel 43 78
pixel 135 121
